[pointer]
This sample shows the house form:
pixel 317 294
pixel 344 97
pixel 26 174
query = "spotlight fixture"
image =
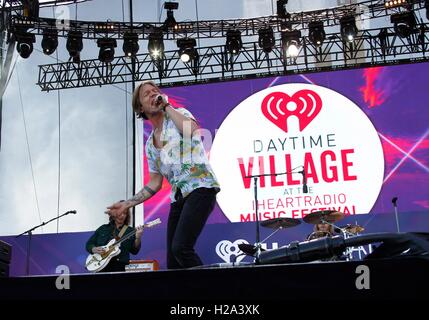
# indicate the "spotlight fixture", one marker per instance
pixel 291 42
pixel 74 44
pixel 107 49
pixel 316 33
pixel 281 9
pixel 156 44
pixel 348 28
pixel 187 49
pixel 395 3
pixel 233 41
pixel 49 41
pixel 131 44
pixel 266 39
pixel 403 23
pixel 24 44
pixel 170 21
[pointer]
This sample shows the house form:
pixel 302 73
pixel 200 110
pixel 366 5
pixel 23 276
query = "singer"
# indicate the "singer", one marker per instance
pixel 175 151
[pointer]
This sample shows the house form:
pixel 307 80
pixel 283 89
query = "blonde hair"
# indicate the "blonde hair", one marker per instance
pixel 136 99
pixel 316 228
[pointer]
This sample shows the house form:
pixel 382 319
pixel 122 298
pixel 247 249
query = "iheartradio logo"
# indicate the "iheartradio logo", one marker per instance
pixel 277 107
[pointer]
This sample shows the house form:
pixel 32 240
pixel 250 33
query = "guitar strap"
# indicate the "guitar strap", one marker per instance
pixel 121 233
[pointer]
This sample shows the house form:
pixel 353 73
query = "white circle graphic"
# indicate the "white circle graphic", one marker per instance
pixel 286 127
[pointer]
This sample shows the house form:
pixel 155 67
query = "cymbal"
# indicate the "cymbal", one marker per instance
pixel 353 228
pixel 248 249
pixel 326 215
pixel 280 223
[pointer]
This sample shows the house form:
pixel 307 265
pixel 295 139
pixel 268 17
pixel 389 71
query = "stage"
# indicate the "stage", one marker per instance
pixel 404 278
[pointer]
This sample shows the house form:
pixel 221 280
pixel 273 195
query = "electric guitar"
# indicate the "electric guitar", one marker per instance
pixel 96 262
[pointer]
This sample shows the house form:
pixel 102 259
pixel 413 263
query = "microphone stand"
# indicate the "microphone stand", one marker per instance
pixel 255 181
pixel 396 212
pixel 30 233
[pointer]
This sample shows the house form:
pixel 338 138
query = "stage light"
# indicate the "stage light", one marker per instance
pixel 170 21
pixel 187 49
pixel 156 44
pixel 233 41
pixel 348 28
pixel 131 44
pixel 74 44
pixel 316 33
pixel 24 45
pixel 291 42
pixel 49 41
pixel 107 49
pixel 281 9
pixel 395 3
pixel 266 39
pixel 404 23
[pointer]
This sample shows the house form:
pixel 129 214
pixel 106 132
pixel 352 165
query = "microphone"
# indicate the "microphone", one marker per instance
pixel 72 211
pixel 394 201
pixel 160 99
pixel 304 182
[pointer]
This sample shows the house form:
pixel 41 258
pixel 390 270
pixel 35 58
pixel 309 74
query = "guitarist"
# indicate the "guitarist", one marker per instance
pixel 116 228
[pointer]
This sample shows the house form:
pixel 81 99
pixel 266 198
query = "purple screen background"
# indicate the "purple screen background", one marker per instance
pixel 394 98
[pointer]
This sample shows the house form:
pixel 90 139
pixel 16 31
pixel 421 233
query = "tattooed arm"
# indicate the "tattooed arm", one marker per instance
pixel 147 192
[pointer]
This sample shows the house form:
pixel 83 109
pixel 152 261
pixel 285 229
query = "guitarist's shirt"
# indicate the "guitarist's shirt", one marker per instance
pixel 105 233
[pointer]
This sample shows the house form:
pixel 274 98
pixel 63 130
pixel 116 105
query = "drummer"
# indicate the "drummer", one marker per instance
pixel 321 230
pixel 324 228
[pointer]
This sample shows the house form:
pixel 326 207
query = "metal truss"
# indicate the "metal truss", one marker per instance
pixel 365 10
pixel 371 48
pixel 11 8
pixel 15 4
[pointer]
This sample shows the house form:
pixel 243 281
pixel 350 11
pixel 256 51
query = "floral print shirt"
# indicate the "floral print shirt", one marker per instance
pixel 181 160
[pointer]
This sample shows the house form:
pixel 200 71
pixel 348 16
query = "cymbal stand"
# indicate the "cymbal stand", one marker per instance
pixel 255 181
pixel 272 233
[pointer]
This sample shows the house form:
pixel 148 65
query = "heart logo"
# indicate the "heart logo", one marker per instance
pixel 279 106
pixel 225 249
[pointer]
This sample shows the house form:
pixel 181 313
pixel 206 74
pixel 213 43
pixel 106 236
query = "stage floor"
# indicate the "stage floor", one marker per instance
pixel 404 278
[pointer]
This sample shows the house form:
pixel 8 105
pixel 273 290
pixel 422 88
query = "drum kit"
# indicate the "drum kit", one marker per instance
pixel 324 226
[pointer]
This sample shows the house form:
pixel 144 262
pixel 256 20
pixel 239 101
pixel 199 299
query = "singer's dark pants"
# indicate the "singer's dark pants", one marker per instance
pixel 185 222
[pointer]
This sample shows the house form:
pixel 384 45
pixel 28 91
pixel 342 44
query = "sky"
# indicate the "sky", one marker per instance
pixel 70 150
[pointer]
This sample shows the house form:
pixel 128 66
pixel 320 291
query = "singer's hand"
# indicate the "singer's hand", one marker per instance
pixel 117 208
pixel 162 107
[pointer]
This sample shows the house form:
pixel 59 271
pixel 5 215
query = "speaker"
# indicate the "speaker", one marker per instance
pixel 4 270
pixel 5 252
